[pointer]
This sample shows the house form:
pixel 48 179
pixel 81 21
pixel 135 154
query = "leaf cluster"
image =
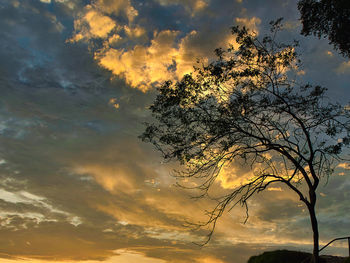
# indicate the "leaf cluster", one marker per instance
pixel 329 18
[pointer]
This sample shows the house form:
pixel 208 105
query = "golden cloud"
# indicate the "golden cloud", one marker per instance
pixel 144 66
pixel 110 178
pixel 92 25
pixel 95 20
pixel 209 260
pixel 344 166
pixel 100 25
pixel 113 102
pixel 140 201
pixel 117 7
pixel 165 57
pixel 135 32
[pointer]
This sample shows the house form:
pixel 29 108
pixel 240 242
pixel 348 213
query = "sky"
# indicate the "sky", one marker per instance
pixel 76 182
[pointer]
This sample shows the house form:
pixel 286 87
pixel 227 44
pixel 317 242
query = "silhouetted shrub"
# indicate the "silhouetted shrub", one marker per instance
pixel 280 256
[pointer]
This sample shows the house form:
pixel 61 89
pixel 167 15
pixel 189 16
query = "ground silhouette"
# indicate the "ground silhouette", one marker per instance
pixel 287 256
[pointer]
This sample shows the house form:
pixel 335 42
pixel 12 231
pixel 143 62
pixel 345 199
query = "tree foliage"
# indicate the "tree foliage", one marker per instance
pixel 329 18
pixel 247 105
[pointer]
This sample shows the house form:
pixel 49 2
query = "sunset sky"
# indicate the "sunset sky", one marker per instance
pixel 76 182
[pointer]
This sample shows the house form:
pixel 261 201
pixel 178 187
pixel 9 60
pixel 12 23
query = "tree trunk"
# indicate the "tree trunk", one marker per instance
pixel 311 208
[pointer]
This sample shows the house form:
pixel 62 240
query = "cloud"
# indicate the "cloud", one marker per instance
pixel 142 66
pixel 126 256
pixel 191 6
pixel 75 179
pixel 209 260
pixel 127 53
pixel 343 68
pixel 95 20
pixel 250 23
pixel 66 242
pixel 345 166
pixel 273 219
pixel 151 201
pixel 117 7
pixel 111 178
pixel 43 210
pixel 99 25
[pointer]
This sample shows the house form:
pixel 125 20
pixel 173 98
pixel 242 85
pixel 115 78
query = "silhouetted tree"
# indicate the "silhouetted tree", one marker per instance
pixel 328 18
pixel 247 106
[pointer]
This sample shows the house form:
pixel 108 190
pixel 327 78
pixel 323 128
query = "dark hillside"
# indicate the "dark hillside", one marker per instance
pixel 286 256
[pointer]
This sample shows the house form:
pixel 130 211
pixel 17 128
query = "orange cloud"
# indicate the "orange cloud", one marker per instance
pixel 100 25
pixel 345 166
pixel 142 66
pixel 209 260
pixel 110 178
pixel 165 57
pixel 92 25
pixel 95 20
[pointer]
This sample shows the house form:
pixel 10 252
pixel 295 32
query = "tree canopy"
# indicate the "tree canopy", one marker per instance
pixel 328 18
pixel 248 105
